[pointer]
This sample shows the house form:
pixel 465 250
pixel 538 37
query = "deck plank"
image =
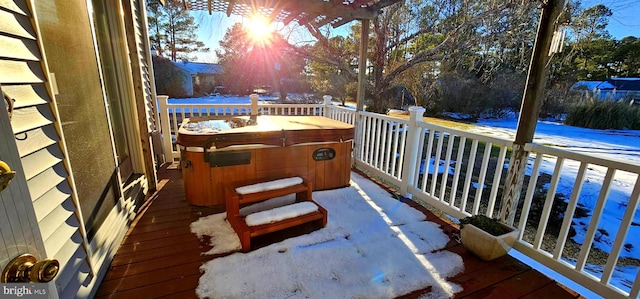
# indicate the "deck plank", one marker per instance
pixel 552 290
pixel 161 258
pixel 500 269
pixel 514 287
pixel 140 280
pixel 152 254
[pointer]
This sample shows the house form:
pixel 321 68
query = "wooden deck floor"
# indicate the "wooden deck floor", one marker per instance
pixel 160 257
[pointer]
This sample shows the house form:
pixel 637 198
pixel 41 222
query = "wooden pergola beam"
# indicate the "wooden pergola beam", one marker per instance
pixel 314 7
pixel 340 23
pixel 291 17
pixel 230 8
pixel 325 21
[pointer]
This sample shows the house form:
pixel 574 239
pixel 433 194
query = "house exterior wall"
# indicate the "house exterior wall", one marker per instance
pixel 45 139
pixel 617 95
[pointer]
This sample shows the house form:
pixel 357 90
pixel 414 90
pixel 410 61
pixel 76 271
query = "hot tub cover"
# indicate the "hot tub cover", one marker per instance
pixel 269 130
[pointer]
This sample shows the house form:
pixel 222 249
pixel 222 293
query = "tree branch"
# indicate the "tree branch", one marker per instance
pixel 448 40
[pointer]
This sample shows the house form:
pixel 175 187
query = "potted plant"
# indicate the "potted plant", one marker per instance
pixel 487 238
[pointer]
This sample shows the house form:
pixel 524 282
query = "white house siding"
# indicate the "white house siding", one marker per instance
pixel 137 39
pixel 38 141
pixel 142 44
pixel 44 164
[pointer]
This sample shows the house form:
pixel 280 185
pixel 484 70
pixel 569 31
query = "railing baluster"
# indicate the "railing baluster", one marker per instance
pixel 456 173
pixel 362 129
pixel 389 133
pixel 469 174
pixel 405 128
pixel 383 153
pixel 365 138
pixel 372 142
pixel 377 144
pixel 626 222
pixel 394 157
pixel 445 172
pixel 436 163
pixel 427 162
pixel 416 174
pixel 571 208
pixel 174 128
pixel 496 180
pixel 369 153
pixel 182 113
pixel 483 174
pixel 548 203
pixel 528 198
pixel 595 220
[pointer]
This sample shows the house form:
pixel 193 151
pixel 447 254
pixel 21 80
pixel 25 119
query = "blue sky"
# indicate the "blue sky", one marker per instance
pixel 625 21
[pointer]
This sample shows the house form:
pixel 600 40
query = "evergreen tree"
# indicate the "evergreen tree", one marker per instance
pixel 172 30
pixel 249 63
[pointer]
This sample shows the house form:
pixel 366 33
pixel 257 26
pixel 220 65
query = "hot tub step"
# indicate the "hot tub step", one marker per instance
pixel 303 211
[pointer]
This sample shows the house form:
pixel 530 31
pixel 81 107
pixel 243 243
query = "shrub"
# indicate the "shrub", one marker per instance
pixel 168 78
pixel 605 115
pixel 491 226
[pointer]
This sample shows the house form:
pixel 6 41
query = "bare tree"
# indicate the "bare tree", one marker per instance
pixel 408 35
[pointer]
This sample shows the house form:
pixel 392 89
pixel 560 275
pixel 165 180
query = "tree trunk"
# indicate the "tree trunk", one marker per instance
pixel 380 56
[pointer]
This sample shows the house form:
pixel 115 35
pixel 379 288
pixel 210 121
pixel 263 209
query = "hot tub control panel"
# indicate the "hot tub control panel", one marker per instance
pixel 325 153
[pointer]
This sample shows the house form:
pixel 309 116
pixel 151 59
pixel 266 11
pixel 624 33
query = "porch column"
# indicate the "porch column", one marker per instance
pixel 254 105
pixel 163 111
pixel 362 64
pixel 411 151
pixel 327 105
pixel 531 104
pixel 362 81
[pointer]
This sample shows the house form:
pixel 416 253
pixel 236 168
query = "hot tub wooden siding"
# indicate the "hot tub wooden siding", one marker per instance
pixel 204 184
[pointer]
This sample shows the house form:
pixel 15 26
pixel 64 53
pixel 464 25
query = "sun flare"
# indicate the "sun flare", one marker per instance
pixel 259 28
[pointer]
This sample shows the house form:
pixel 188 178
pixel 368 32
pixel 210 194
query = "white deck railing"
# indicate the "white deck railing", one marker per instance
pixel 462 174
pixel 589 181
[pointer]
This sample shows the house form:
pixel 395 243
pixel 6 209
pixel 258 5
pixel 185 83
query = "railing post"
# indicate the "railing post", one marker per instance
pixel 411 150
pixel 165 127
pixel 254 104
pixel 327 103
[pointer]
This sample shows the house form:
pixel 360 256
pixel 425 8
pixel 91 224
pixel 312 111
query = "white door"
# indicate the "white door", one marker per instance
pixel 19 231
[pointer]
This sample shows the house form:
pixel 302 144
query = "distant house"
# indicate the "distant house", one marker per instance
pixel 613 89
pixel 204 76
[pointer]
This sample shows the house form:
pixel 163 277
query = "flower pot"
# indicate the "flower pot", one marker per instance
pixel 484 245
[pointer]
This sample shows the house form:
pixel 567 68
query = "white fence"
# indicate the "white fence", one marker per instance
pixel 463 173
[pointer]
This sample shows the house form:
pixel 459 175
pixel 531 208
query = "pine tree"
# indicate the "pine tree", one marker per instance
pixel 172 30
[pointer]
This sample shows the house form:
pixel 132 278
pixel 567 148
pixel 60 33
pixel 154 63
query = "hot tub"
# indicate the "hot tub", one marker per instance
pixel 217 151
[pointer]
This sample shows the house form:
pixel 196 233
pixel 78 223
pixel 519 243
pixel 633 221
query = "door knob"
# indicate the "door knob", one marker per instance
pixel 5 175
pixel 26 268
